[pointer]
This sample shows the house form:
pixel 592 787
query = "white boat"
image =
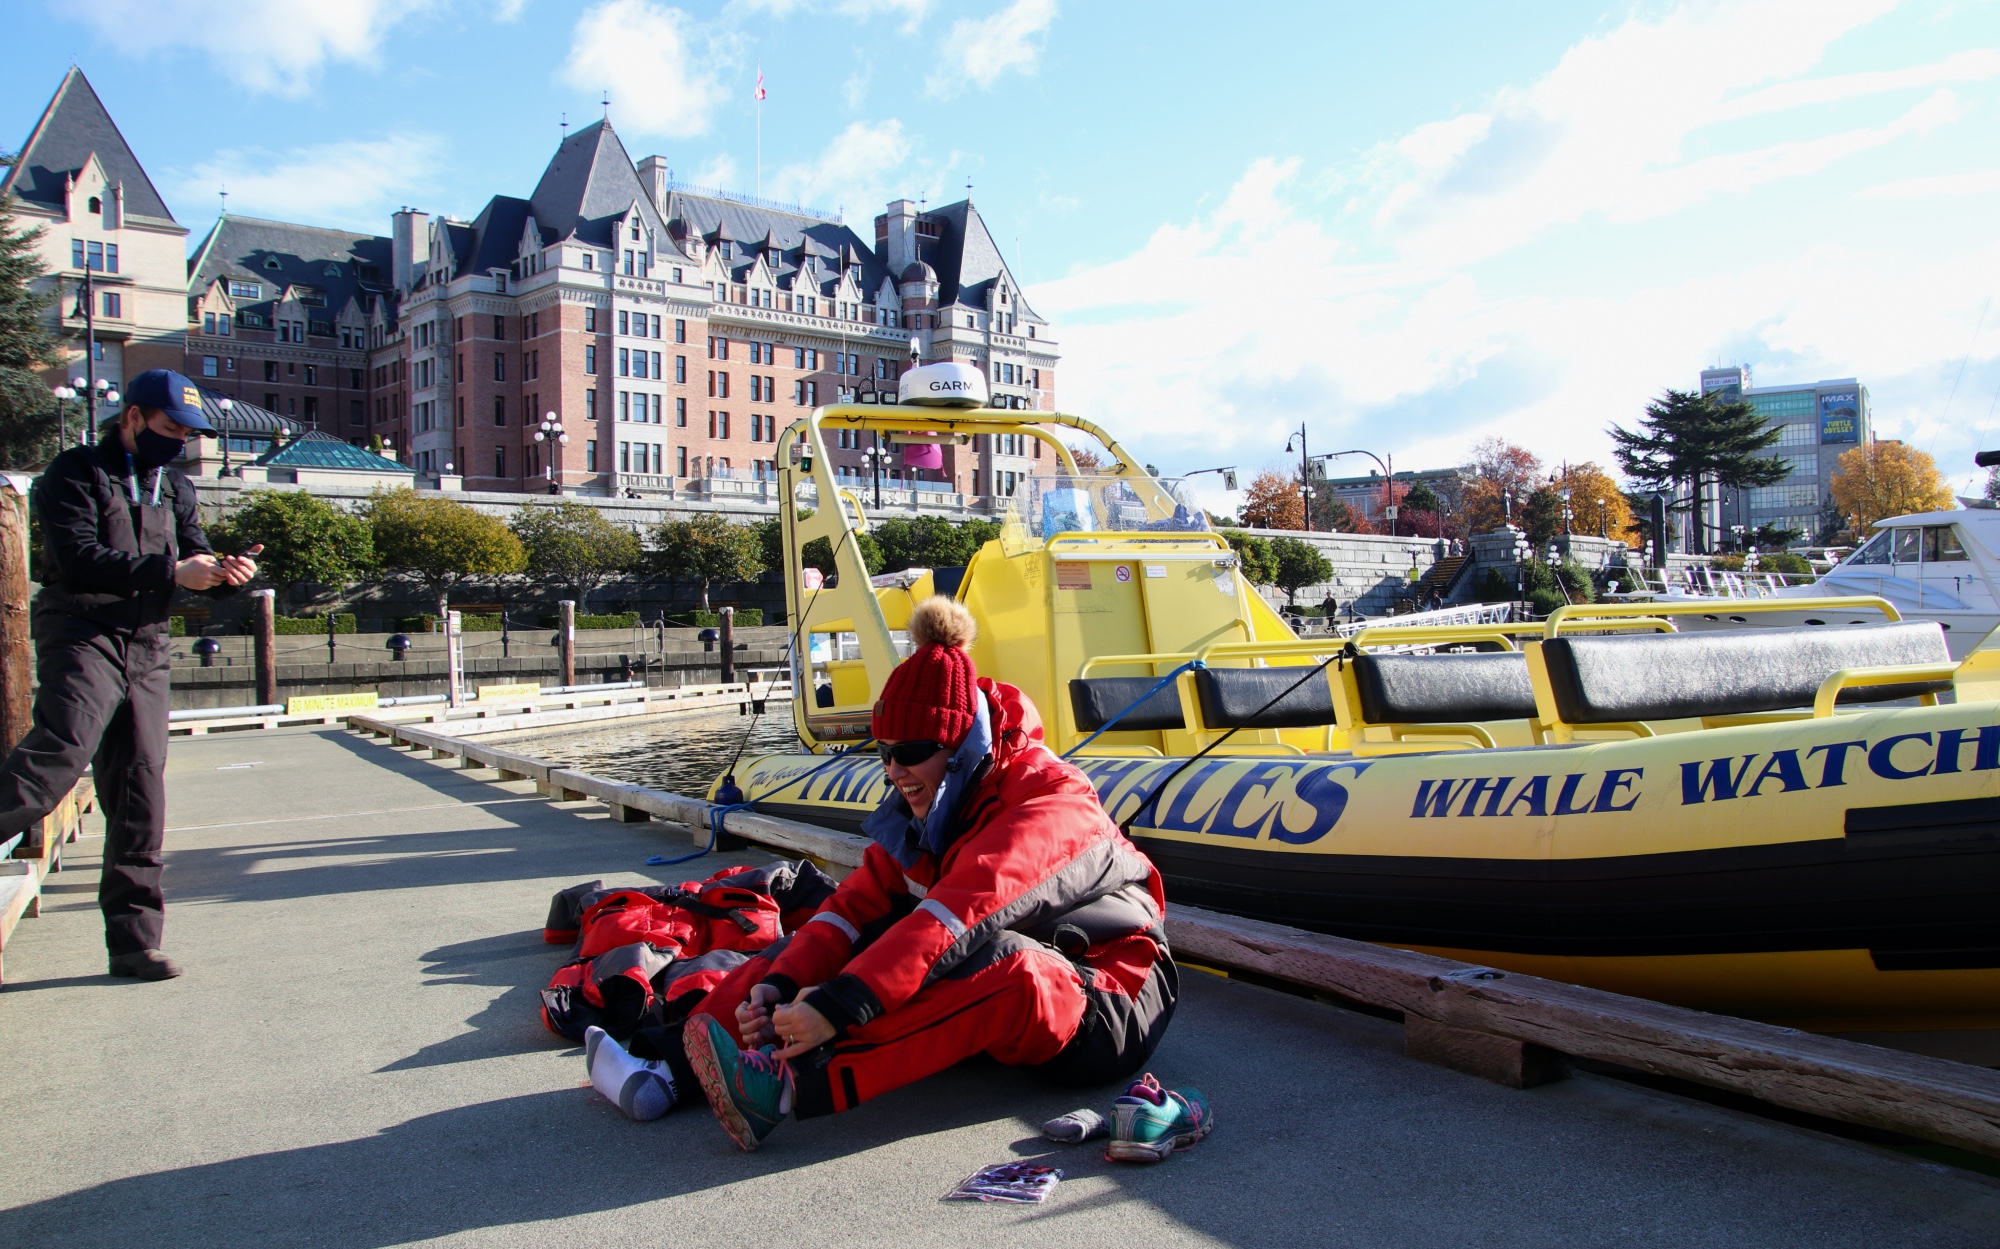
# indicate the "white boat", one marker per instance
pixel 1940 566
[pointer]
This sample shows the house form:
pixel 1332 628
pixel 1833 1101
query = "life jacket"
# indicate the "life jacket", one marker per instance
pixel 644 955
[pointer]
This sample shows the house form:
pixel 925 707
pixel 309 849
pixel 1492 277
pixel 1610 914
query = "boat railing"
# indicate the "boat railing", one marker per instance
pixel 1585 615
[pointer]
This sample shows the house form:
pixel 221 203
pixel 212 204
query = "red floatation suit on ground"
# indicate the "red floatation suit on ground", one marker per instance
pixel 1036 937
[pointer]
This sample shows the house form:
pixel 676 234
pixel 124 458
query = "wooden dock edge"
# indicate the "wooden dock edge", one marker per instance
pixel 1938 1100
pixel 37 855
pixel 1504 1026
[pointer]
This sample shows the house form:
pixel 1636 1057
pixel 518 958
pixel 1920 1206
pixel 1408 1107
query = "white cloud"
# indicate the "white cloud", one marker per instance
pixel 1388 304
pixel 1982 182
pixel 355 183
pixel 720 172
pixel 265 45
pixel 858 168
pixel 1975 65
pixel 979 50
pixel 912 10
pixel 645 54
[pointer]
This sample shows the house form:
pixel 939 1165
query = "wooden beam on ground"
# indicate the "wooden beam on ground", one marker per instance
pixel 1951 1103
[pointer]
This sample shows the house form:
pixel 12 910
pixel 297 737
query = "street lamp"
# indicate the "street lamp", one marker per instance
pixel 1305 476
pixel 1388 475
pixel 227 406
pixel 551 432
pixel 1521 548
pixel 63 395
pixel 873 459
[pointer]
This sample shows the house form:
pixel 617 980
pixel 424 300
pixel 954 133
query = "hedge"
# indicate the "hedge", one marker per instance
pixel 616 620
pixel 746 618
pixel 479 624
pixel 177 626
pixel 416 624
pixel 343 622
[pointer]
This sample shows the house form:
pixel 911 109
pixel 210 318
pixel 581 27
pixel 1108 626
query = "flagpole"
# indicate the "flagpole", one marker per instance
pixel 760 132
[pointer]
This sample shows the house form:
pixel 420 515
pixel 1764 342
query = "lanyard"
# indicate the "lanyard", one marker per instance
pixel 132 479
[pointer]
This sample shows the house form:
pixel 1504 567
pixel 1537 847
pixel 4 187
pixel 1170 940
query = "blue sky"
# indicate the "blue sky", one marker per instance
pixel 1408 226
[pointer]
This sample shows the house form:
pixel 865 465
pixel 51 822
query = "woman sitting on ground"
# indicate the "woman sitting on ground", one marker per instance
pixel 997 911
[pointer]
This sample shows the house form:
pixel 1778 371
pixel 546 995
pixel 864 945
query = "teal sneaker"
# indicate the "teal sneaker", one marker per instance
pixel 1150 1122
pixel 750 1091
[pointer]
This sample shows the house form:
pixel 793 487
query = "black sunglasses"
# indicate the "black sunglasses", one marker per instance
pixel 907 754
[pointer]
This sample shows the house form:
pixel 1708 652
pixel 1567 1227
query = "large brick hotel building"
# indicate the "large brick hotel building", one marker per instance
pixel 672 333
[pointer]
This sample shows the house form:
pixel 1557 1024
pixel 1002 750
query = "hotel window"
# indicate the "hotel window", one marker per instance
pixel 461 417
pixel 499 410
pixel 680 413
pixel 590 359
pixel 499 367
pixel 624 321
pixel 209 368
pixel 589 405
pixel 680 326
pixel 656 327
pixel 680 369
pixel 590 451
pixel 680 461
pixel 114 304
pixel 222 326
pixel 499 461
pixel 589 264
pixel 756 427
pixel 624 362
pixel 624 405
pixel 657 375
pixel 312 373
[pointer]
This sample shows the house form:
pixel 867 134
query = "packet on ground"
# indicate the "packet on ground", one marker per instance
pixel 1008 1181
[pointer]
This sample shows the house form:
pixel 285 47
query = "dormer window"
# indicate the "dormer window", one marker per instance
pixel 270 262
pixel 96 204
pixel 635 232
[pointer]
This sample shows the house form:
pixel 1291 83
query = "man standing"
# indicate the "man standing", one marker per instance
pixel 120 531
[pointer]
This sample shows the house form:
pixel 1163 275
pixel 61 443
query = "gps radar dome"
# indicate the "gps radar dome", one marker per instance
pixel 945 385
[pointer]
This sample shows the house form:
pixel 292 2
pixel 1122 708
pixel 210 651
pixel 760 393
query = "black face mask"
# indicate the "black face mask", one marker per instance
pixel 151 450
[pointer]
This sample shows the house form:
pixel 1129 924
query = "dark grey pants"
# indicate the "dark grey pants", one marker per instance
pixel 102 705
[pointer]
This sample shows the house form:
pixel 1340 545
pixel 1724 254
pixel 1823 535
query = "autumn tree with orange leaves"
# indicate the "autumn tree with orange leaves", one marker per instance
pixel 1498 473
pixel 1273 502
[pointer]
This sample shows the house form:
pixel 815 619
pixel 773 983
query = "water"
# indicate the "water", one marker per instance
pixel 681 754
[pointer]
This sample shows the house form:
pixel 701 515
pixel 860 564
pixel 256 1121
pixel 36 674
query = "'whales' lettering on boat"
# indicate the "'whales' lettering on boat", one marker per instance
pixel 1902 757
pixel 1495 795
pixel 1287 801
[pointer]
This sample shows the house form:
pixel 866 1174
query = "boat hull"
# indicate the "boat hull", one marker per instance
pixel 1836 873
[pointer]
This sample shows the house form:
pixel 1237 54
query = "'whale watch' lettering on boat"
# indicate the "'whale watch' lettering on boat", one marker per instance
pixel 1901 757
pixel 1578 793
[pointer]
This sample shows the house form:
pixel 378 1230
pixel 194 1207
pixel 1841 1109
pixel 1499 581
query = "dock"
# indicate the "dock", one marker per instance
pixel 354 1058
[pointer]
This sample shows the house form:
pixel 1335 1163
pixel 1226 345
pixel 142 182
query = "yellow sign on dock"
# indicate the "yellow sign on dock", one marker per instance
pixel 316 704
pixel 490 693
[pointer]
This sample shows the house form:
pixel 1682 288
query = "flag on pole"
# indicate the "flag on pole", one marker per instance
pixel 760 84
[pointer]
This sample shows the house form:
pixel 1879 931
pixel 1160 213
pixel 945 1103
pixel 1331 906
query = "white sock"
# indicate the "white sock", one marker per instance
pixel 643 1090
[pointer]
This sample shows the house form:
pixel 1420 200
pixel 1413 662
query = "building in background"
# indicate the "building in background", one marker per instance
pixel 659 336
pixel 1817 422
pixel 279 316
pixel 100 214
pixel 673 333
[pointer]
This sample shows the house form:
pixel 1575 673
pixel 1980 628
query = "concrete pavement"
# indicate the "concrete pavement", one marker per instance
pixel 354 1059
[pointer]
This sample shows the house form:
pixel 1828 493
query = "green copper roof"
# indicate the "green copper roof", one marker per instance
pixel 317 450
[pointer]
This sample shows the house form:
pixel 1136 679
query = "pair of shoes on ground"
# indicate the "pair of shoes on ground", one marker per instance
pixel 1147 1123
pixel 145 965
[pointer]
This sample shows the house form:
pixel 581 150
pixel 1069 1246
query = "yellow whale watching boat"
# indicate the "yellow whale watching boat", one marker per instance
pixel 1792 824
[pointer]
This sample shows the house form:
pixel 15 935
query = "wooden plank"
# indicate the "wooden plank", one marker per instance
pixel 1503 1060
pixel 1951 1103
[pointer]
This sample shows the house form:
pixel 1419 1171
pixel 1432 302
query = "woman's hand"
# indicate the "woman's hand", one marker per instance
pixel 753 1016
pixel 801 1028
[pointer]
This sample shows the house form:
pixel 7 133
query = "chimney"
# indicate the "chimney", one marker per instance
pixel 654 176
pixel 899 248
pixel 409 230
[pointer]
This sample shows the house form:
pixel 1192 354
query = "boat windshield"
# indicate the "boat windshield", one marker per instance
pixel 1932 544
pixel 1042 507
pixel 1874 551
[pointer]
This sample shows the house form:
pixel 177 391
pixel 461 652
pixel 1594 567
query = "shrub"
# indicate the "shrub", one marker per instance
pixel 616 620
pixel 343 622
pixel 177 626
pixel 416 624
pixel 479 624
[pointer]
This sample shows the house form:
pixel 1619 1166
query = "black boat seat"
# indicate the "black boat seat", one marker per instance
pixel 1094 700
pixel 1444 689
pixel 1673 676
pixel 1231 697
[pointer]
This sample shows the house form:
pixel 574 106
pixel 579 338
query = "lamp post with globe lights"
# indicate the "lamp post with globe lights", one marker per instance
pixel 551 432
pixel 63 395
pixel 227 406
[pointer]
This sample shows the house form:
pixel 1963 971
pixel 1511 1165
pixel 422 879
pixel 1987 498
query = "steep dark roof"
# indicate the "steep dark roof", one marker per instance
pixel 316 450
pixel 967 260
pixel 493 240
pixel 589 183
pixel 725 220
pixel 342 264
pixel 74 125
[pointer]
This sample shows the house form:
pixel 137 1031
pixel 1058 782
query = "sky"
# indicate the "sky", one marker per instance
pixel 1403 227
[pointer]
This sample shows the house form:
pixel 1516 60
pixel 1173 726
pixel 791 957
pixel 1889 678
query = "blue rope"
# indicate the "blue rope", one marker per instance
pixel 716 814
pixel 1159 685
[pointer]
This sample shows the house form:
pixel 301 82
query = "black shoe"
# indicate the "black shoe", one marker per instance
pixel 146 965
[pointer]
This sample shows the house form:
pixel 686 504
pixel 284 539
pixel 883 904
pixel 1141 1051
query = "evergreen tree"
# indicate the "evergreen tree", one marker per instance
pixel 27 409
pixel 1693 441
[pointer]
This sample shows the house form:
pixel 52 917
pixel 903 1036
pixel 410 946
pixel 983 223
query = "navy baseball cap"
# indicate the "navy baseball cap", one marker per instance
pixel 170 393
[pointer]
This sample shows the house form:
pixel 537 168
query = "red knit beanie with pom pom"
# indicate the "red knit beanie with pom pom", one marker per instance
pixel 931 696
